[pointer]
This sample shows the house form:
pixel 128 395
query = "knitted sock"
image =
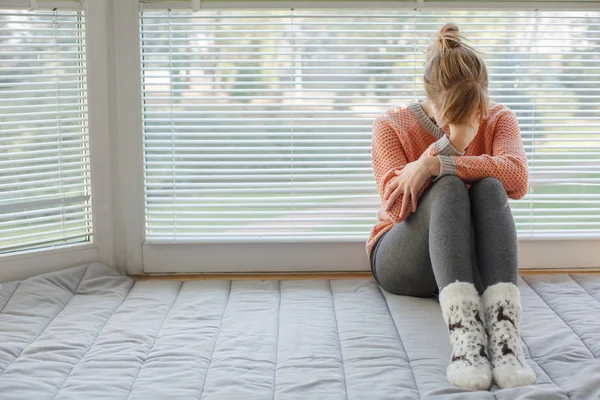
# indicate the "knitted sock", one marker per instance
pixel 502 304
pixel 469 366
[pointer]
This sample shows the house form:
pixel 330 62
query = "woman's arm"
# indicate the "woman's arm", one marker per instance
pixel 508 162
pixel 388 157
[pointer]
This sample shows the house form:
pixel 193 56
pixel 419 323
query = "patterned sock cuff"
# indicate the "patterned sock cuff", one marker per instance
pixel 457 293
pixel 502 291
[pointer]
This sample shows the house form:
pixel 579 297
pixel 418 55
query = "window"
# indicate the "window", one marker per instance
pixel 257 125
pixel 251 148
pixel 44 155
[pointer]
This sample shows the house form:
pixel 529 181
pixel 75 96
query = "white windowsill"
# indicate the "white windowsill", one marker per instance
pixel 25 264
pixel 336 256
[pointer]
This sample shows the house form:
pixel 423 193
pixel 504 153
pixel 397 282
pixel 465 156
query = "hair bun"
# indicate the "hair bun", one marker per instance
pixel 449 36
pixel 449 28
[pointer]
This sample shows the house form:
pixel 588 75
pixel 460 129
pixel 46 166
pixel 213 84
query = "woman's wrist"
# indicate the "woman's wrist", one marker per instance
pixel 432 165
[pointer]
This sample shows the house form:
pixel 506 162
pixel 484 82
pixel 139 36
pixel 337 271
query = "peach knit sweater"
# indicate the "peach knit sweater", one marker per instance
pixel 404 133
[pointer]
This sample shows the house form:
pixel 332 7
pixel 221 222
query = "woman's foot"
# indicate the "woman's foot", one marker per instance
pixel 469 366
pixel 502 303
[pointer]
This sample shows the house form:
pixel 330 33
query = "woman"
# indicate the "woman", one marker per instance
pixel 445 169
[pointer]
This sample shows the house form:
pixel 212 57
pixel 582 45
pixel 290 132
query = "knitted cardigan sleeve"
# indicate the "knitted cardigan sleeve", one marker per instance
pixel 388 156
pixel 507 163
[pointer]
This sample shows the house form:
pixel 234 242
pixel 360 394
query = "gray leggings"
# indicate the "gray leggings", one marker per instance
pixel 455 234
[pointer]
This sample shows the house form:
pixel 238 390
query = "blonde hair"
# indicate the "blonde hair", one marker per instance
pixel 456 78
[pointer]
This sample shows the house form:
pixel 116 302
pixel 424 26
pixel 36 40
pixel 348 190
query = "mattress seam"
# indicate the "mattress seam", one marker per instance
pixel 155 339
pixel 584 289
pixel 87 268
pixel 401 342
pixel 542 368
pixel 337 328
pixel 216 340
pixel 561 318
pixel 277 342
pixel 49 322
pixel 10 297
pixel 93 342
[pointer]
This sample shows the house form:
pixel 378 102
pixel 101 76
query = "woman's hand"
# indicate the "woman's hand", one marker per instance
pixel 382 215
pixel 461 135
pixel 410 181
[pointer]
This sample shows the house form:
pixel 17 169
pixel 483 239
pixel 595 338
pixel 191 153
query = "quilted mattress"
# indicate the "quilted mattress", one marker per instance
pixel 88 333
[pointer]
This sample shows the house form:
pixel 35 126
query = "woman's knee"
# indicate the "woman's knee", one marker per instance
pixel 489 191
pixel 450 186
pixel 450 193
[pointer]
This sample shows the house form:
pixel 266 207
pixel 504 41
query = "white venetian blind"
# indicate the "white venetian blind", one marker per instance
pixel 44 155
pixel 257 124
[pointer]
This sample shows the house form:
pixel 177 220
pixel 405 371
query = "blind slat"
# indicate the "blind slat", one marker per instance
pixel 64 164
pixel 11 211
pixel 54 238
pixel 14 196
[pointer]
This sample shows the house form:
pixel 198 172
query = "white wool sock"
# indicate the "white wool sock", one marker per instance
pixel 502 303
pixel 469 366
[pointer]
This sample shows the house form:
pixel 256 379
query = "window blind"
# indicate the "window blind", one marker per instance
pixel 257 124
pixel 44 155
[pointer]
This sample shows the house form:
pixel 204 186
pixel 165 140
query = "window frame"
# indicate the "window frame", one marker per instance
pixel 166 258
